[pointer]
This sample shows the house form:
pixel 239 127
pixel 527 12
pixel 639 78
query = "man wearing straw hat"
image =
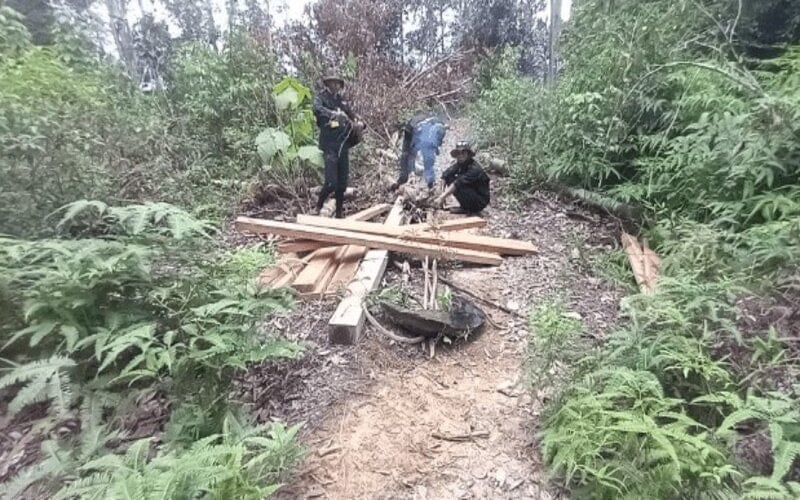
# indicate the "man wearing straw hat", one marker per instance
pixel 339 130
pixel 466 181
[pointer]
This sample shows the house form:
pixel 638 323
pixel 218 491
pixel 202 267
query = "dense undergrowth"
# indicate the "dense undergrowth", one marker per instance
pixel 118 308
pixel 73 127
pixel 683 109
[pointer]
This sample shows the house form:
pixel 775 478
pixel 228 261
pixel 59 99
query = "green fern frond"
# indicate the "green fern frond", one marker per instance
pixel 784 458
pixel 73 210
pixel 765 488
pixel 43 379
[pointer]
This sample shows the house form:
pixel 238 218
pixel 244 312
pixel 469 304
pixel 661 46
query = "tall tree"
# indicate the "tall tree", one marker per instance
pixel 38 17
pixel 123 36
pixel 555 32
pixel 195 18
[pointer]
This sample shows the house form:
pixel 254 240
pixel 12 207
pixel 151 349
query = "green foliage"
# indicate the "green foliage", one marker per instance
pixel 615 268
pixel 777 412
pixel 44 380
pixel 81 130
pixel 618 436
pixel 657 108
pixel 445 299
pixel 241 462
pixel 14 37
pixel 146 220
pixel 152 302
pixel 553 331
pixel 288 152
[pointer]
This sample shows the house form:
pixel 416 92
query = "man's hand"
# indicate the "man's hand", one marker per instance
pixel 438 202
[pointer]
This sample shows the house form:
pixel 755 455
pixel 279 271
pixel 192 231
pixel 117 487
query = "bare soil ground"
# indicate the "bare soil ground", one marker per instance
pixel 384 421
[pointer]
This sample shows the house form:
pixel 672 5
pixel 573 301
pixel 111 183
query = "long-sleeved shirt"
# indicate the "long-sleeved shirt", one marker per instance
pixel 325 106
pixel 468 176
pixel 423 131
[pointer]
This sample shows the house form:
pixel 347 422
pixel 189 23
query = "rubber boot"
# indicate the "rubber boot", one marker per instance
pixel 340 205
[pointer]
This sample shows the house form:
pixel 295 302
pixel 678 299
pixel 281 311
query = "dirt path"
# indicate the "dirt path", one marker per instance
pixel 387 422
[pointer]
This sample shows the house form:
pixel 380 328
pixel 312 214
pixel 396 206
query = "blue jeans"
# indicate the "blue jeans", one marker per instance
pixel 427 139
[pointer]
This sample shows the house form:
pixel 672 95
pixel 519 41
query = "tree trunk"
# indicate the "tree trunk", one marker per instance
pixel 211 26
pixel 123 37
pixel 555 32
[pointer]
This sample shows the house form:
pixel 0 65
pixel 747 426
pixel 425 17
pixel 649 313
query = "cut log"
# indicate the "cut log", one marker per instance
pixel 259 226
pixel 349 193
pixel 447 239
pixel 346 326
pixel 603 203
pixel 302 246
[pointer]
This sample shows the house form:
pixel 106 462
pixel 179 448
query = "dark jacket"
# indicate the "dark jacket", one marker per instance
pixel 325 105
pixel 469 176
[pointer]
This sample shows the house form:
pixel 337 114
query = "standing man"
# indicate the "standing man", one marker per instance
pixel 466 180
pixel 338 129
pixel 424 133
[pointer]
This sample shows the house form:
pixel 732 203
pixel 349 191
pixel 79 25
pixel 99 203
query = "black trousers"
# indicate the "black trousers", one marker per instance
pixel 470 200
pixel 337 173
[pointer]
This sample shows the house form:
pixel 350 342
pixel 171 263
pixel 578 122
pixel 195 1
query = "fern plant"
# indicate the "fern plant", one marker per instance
pixel 779 413
pixel 239 463
pixel 618 436
pixel 553 330
pixel 62 459
pixel 42 380
pixel 149 219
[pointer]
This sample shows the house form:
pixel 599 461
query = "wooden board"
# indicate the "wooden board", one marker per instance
pixel 277 270
pixel 282 272
pixel 321 261
pixel 302 246
pixel 447 239
pixel 346 326
pixel 451 225
pixel 318 266
pixel 320 288
pixel 259 226
pixel 371 212
pixel 644 263
pixel 348 266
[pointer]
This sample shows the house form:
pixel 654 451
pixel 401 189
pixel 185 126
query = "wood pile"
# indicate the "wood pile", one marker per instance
pixel 321 257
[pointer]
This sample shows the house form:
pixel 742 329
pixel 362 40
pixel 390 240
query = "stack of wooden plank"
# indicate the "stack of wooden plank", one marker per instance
pixel 321 256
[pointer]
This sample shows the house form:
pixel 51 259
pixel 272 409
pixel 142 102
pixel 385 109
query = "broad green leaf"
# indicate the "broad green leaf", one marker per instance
pixel 312 155
pixel 271 142
pixel 289 98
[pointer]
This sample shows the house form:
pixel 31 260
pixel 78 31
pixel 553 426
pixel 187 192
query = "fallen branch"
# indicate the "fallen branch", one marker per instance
pixel 397 338
pixel 409 83
pixel 461 438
